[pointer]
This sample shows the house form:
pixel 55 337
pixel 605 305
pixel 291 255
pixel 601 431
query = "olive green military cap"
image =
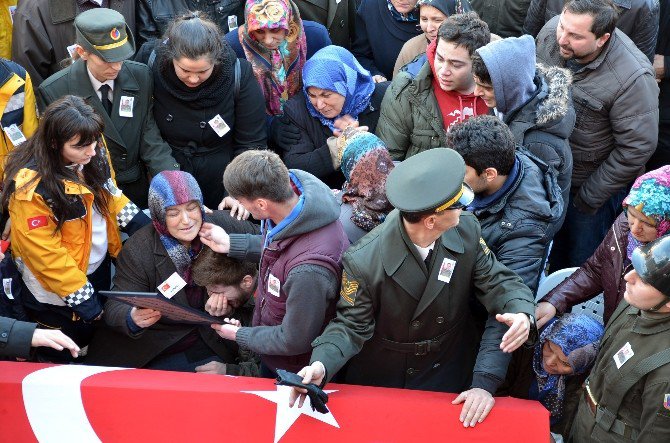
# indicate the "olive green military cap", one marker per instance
pixel 432 179
pixel 104 33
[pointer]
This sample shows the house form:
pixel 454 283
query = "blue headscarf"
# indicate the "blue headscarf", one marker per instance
pixel 578 336
pixel 335 69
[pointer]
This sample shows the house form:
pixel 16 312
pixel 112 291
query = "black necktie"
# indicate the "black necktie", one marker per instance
pixel 428 259
pixel 104 98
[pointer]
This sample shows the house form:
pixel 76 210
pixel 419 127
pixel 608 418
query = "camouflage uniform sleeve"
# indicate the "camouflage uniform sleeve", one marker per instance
pixel 352 326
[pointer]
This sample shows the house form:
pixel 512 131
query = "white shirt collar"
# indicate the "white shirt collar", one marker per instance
pixel 423 252
pixel 96 83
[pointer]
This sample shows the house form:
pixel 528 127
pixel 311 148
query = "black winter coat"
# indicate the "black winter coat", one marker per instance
pixel 311 153
pixel 195 145
pixel 519 226
pixel 662 155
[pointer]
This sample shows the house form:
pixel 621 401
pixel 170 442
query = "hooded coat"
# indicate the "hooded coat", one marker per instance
pixel 298 279
pixel 535 103
pixel 519 226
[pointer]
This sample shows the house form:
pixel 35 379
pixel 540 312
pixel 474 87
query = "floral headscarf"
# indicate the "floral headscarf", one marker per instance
pixel 277 71
pixel 650 195
pixel 578 336
pixel 365 164
pixel 170 188
pixel 336 69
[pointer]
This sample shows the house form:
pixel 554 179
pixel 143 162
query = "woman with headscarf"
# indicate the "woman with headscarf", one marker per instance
pixel 646 217
pixel 164 252
pixel 567 348
pixel 365 163
pixel 206 104
pixel 431 15
pixel 337 92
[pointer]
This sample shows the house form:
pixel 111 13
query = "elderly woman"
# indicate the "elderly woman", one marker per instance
pixel 382 28
pixel 206 104
pixel 165 250
pixel 646 217
pixel 337 92
pixel 365 163
pixel 66 213
pixel 431 15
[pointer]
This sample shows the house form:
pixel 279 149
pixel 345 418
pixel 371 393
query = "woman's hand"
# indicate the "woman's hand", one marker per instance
pixel 378 78
pixel 544 311
pixel 345 122
pixel 144 317
pixel 236 209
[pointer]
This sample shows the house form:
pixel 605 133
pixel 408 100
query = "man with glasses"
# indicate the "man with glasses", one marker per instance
pixel 403 317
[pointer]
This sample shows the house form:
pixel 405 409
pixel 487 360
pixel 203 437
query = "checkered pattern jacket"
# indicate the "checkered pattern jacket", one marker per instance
pixel 53 263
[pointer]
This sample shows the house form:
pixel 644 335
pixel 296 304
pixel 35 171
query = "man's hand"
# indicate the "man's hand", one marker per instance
pixel 236 209
pixel 229 331
pixel 215 237
pixel 478 404
pixel 378 78
pixel 213 367
pixel 217 305
pixel 544 311
pixel 313 373
pixel 144 317
pixel 659 67
pixel 519 328
pixel 53 338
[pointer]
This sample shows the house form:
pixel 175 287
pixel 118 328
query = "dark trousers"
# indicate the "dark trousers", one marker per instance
pixel 581 233
pixel 63 318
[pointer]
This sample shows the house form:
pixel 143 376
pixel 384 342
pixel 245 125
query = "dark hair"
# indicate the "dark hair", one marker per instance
pixel 466 30
pixel 416 217
pixel 64 119
pixel 480 70
pixel 484 142
pixel 192 36
pixel 258 174
pixel 604 13
pixel 212 268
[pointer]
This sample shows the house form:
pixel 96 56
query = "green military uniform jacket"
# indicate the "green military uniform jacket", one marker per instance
pixel 410 119
pixel 403 327
pixel 135 144
pixel 644 412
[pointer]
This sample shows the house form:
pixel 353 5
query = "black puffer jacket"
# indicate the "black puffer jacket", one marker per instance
pixel 519 226
pixel 638 19
pixel 544 123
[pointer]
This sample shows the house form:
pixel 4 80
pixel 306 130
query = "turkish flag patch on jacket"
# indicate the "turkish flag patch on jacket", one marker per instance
pixel 36 222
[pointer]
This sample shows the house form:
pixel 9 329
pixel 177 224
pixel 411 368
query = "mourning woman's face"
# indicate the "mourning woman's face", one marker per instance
pixel 554 360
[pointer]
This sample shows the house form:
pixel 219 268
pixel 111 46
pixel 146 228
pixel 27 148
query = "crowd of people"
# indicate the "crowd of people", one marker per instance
pixel 368 192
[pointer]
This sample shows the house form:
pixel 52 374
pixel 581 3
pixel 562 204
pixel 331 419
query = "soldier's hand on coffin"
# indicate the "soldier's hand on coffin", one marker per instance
pixel 519 329
pixel 313 373
pixel 478 404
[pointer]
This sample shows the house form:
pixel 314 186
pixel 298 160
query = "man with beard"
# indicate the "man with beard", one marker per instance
pixel 616 100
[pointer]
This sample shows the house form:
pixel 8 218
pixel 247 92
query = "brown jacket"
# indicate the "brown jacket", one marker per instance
pixel 602 272
pixel 44 29
pixel 616 101
pixel 141 266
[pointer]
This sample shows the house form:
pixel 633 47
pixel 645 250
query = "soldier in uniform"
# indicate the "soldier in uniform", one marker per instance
pixel 121 92
pixel 627 395
pixel 406 291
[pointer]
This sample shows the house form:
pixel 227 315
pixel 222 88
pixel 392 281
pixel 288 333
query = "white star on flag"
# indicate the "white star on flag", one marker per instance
pixel 287 416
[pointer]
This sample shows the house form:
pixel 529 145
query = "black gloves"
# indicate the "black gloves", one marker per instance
pixel 317 397
pixel 283 133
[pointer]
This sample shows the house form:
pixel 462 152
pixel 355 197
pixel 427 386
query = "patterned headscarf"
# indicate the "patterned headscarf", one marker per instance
pixel 336 69
pixel 650 195
pixel 578 336
pixel 170 188
pixel 277 71
pixel 365 164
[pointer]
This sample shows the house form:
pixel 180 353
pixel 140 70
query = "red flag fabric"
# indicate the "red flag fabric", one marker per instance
pixel 51 403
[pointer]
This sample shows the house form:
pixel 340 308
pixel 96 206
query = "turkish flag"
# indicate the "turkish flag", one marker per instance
pixel 36 222
pixel 83 403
